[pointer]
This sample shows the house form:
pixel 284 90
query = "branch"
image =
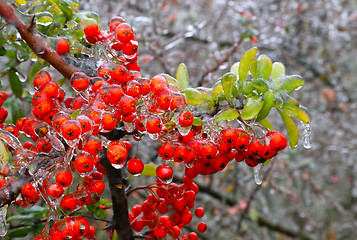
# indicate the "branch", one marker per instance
pixel 35 41
pixel 120 221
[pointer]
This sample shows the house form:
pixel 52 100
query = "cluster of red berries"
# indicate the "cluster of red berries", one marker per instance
pixel 167 210
pixel 3 111
pixel 119 93
pixel 119 38
pixel 74 228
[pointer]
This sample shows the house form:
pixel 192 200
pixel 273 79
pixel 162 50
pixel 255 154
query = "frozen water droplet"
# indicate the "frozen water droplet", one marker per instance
pixel 257 174
pixel 21 77
pixel 56 143
pixel 11 140
pixel 3 229
pixel 306 137
pixel 166 181
pixel 154 136
pixel 72 143
pixel 118 166
pixel 129 126
pixel 184 130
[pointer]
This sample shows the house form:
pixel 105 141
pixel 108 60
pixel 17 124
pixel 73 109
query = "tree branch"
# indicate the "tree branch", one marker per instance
pixel 120 221
pixel 35 41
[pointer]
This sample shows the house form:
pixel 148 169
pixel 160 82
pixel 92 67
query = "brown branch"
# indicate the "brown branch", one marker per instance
pixel 120 221
pixel 35 41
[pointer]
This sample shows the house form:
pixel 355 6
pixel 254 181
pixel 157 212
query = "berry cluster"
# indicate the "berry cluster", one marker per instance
pixel 3 111
pixel 120 94
pixel 167 210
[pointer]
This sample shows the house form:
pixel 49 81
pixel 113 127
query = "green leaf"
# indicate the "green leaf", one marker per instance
pixel 20 217
pixel 115 235
pixel 235 68
pixel 226 115
pixel 265 123
pixel 100 213
pixel 194 97
pixel 44 21
pixel 228 80
pixel 296 112
pixel 75 113
pixel 267 105
pixel 170 79
pixel 278 71
pixel 292 83
pixel 293 131
pixel 149 170
pixel 216 91
pixel 264 67
pixel 2 50
pixel 260 85
pixel 16 110
pixel 253 68
pixel 245 62
pixel 15 84
pixel 20 232
pixel 197 122
pixel 4 155
pixel 182 77
pixel 61 81
pixel 252 108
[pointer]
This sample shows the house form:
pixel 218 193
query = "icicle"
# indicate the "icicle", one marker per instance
pixel 3 229
pixel 11 140
pixel 257 174
pixel 306 137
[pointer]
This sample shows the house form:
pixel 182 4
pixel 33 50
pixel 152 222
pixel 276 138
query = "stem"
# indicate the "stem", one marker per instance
pixel 35 41
pixel 120 221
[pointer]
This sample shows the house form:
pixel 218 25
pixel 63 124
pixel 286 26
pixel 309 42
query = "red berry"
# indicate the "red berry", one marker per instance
pixel 135 166
pixel 124 32
pixel 199 212
pixel 28 191
pixel 55 190
pixel 185 119
pixel 64 178
pixel 92 30
pixel 276 140
pixel 68 203
pixel 202 227
pixel 62 46
pixel 164 173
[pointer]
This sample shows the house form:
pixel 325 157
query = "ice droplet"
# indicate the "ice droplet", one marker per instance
pixel 306 137
pixel 129 126
pixel 154 136
pixel 184 130
pixel 257 174
pixel 3 229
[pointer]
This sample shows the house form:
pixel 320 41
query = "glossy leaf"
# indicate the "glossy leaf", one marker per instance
pixel 197 122
pixel 265 123
pixel 15 84
pixel 182 76
pixel 228 80
pixel 260 85
pixel 264 67
pixel 216 91
pixel 252 108
pixel 267 105
pixel 170 79
pixel 292 83
pixel 253 68
pixel 19 232
pixel 278 71
pixel 226 115
pixel 294 111
pixel 194 97
pixel 293 131
pixel 235 68
pixel 149 170
pixel 4 155
pixel 245 62
pixel 16 111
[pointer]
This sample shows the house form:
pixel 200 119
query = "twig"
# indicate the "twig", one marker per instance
pixel 35 41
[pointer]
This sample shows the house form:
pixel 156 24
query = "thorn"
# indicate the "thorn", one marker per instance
pixel 32 24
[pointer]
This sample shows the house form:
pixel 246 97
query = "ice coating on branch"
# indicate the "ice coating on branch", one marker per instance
pixel 306 136
pixel 3 229
pixel 257 174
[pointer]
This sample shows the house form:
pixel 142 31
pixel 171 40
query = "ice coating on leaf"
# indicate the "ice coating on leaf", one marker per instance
pixel 306 136
pixel 3 229
pixel 257 174
pixel 11 140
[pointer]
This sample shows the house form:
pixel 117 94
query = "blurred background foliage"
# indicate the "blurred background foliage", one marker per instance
pixel 307 194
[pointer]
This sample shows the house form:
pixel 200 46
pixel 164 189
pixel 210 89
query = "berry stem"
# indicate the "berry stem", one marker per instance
pixel 35 41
